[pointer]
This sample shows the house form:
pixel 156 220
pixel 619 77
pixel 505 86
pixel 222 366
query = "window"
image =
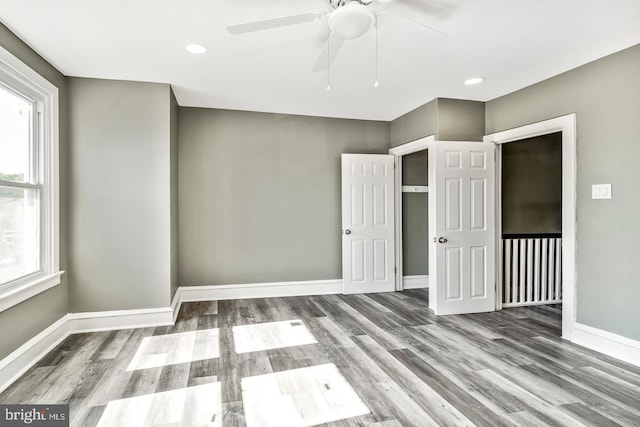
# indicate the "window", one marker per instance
pixel 20 189
pixel 28 182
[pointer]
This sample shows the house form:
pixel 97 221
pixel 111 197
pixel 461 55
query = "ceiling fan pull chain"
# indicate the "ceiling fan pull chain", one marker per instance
pixel 376 84
pixel 329 62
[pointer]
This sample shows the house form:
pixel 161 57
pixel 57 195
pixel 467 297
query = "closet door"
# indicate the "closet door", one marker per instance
pixel 368 223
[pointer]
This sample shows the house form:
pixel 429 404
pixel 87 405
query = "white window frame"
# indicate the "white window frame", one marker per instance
pixel 24 80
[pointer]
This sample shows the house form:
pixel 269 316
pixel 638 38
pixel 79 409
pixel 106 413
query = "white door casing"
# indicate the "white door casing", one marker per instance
pixel 462 221
pixel 368 223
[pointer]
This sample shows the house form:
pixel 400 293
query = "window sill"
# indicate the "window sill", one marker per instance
pixel 31 288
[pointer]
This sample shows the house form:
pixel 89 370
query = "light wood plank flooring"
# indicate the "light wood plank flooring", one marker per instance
pixel 382 360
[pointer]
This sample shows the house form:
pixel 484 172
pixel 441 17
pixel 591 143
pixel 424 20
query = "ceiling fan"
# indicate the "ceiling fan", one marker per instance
pixel 348 19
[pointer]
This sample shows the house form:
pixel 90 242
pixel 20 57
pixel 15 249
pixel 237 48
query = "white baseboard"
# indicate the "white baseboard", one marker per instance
pixel 175 305
pixel 29 353
pixel 614 345
pixel 119 319
pixel 415 282
pixel 259 290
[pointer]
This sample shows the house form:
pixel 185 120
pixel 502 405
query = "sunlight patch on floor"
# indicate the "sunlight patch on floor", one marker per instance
pixel 191 406
pixel 183 347
pixel 267 336
pixel 300 397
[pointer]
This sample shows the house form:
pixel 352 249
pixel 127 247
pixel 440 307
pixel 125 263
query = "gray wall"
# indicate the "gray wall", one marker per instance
pixel 415 216
pixel 416 124
pixel 447 119
pixel 119 206
pixel 25 320
pixel 460 120
pixel 173 171
pixel 532 185
pixel 259 194
pixel 605 95
pixel 415 168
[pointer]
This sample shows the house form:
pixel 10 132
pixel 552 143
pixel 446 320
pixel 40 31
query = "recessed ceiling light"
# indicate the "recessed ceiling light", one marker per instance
pixel 474 81
pixel 196 49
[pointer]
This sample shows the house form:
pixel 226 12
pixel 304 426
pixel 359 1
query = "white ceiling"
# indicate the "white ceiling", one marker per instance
pixel 513 43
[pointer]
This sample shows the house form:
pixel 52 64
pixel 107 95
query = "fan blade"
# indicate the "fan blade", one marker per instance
pixel 422 24
pixel 321 62
pixel 268 24
pixel 433 8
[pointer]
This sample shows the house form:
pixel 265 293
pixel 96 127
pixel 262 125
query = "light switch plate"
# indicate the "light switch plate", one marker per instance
pixel 601 191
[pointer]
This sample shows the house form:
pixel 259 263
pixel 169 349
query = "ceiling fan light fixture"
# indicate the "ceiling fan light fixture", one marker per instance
pixel 351 21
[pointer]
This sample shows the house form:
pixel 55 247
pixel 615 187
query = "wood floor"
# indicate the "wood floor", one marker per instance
pixel 381 360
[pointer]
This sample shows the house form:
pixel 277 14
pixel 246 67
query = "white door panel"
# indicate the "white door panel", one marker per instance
pixel 367 223
pixel 462 257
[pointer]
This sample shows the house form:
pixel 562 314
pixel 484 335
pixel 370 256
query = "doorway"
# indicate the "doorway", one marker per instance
pixel 415 220
pixel 529 177
pixel 530 181
pixel 565 126
pixel 416 245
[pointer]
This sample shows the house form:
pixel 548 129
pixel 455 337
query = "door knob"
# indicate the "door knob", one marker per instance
pixel 442 240
pixel 347 231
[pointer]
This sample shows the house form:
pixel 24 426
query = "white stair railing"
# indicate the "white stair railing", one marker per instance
pixel 531 271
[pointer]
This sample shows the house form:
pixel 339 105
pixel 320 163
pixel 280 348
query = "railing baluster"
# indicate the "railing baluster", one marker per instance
pixel 523 269
pixel 558 268
pixel 506 298
pixel 529 270
pixel 536 270
pixel 550 271
pixel 514 271
pixel 544 269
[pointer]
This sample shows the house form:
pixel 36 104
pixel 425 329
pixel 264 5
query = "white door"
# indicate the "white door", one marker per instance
pixel 461 224
pixel 367 223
